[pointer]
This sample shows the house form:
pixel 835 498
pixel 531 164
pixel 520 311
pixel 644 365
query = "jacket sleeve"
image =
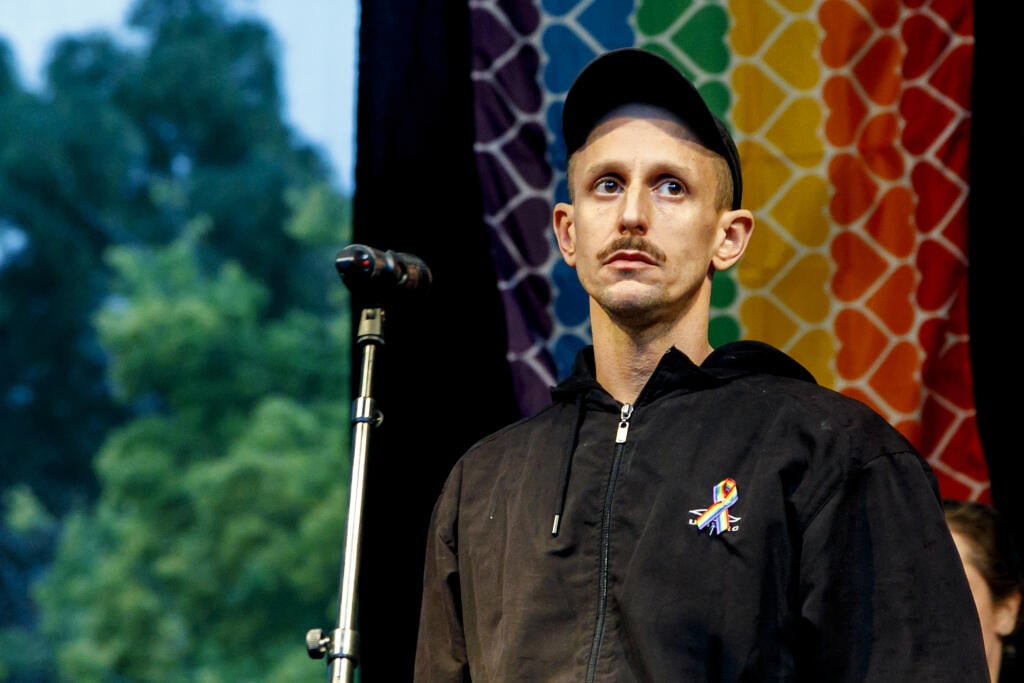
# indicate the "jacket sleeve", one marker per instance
pixel 884 594
pixel 441 643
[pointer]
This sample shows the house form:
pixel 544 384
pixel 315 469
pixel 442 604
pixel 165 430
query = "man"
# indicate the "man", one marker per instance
pixel 683 513
pixel 994 572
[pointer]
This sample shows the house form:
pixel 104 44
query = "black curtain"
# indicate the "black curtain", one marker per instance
pixel 441 378
pixel 997 141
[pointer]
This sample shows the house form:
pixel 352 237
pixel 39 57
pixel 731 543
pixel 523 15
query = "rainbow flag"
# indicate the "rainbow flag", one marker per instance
pixel 853 122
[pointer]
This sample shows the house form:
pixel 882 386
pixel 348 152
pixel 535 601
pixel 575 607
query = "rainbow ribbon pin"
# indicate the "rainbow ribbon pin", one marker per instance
pixel 725 494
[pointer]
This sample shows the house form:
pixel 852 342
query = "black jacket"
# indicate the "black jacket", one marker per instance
pixel 739 522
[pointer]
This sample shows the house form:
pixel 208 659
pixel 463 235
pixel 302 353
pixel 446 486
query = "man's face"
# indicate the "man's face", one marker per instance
pixel 998 618
pixel 644 225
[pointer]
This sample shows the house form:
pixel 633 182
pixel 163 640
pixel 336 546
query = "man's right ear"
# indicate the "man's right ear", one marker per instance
pixel 565 232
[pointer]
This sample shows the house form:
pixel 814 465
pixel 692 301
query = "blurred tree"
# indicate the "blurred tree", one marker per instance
pixel 219 526
pixel 60 179
pixel 210 374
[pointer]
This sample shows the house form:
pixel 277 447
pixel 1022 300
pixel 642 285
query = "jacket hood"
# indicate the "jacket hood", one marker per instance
pixel 754 357
pixel 727 362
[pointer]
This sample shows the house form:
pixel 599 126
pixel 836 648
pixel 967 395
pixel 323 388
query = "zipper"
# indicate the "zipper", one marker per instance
pixel 621 432
pixel 624 414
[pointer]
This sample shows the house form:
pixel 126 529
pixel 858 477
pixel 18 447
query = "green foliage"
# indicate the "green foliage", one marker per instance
pixel 26 533
pixel 221 515
pixel 185 337
pixel 317 214
pixel 25 515
pixel 169 244
pixel 187 568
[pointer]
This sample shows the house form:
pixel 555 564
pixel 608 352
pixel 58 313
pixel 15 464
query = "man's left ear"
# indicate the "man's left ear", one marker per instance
pixel 734 230
pixel 1006 614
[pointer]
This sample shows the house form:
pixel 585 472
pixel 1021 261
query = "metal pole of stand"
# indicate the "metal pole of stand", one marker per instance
pixel 376 276
pixel 342 646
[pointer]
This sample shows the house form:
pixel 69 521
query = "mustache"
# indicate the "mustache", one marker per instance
pixel 632 243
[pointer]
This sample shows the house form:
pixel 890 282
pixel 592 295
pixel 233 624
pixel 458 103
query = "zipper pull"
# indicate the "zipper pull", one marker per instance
pixel 624 415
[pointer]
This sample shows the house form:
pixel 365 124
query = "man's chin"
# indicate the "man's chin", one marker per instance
pixel 630 300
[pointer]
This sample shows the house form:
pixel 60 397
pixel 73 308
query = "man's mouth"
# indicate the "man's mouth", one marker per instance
pixel 630 256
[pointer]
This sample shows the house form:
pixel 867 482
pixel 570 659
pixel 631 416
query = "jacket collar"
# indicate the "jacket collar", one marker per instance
pixel 676 371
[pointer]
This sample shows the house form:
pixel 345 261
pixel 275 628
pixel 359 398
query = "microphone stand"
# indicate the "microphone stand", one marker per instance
pixel 378 275
pixel 341 646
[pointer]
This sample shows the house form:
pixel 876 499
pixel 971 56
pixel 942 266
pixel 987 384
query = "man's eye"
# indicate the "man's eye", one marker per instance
pixel 671 187
pixel 607 186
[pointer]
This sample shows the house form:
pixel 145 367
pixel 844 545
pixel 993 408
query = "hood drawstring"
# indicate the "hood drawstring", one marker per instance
pixel 567 466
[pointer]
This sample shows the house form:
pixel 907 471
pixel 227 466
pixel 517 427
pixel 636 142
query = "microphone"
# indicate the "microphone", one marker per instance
pixel 379 274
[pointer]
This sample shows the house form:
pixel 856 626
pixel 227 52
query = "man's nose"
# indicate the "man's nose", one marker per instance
pixel 635 210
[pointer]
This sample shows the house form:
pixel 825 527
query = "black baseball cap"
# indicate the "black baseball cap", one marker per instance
pixel 632 75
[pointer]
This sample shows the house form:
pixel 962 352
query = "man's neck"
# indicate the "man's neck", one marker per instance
pixel 625 359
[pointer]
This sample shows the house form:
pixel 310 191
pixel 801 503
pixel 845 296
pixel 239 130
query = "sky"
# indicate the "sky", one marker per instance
pixel 318 60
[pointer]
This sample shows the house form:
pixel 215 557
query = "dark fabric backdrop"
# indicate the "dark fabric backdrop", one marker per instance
pixel 441 381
